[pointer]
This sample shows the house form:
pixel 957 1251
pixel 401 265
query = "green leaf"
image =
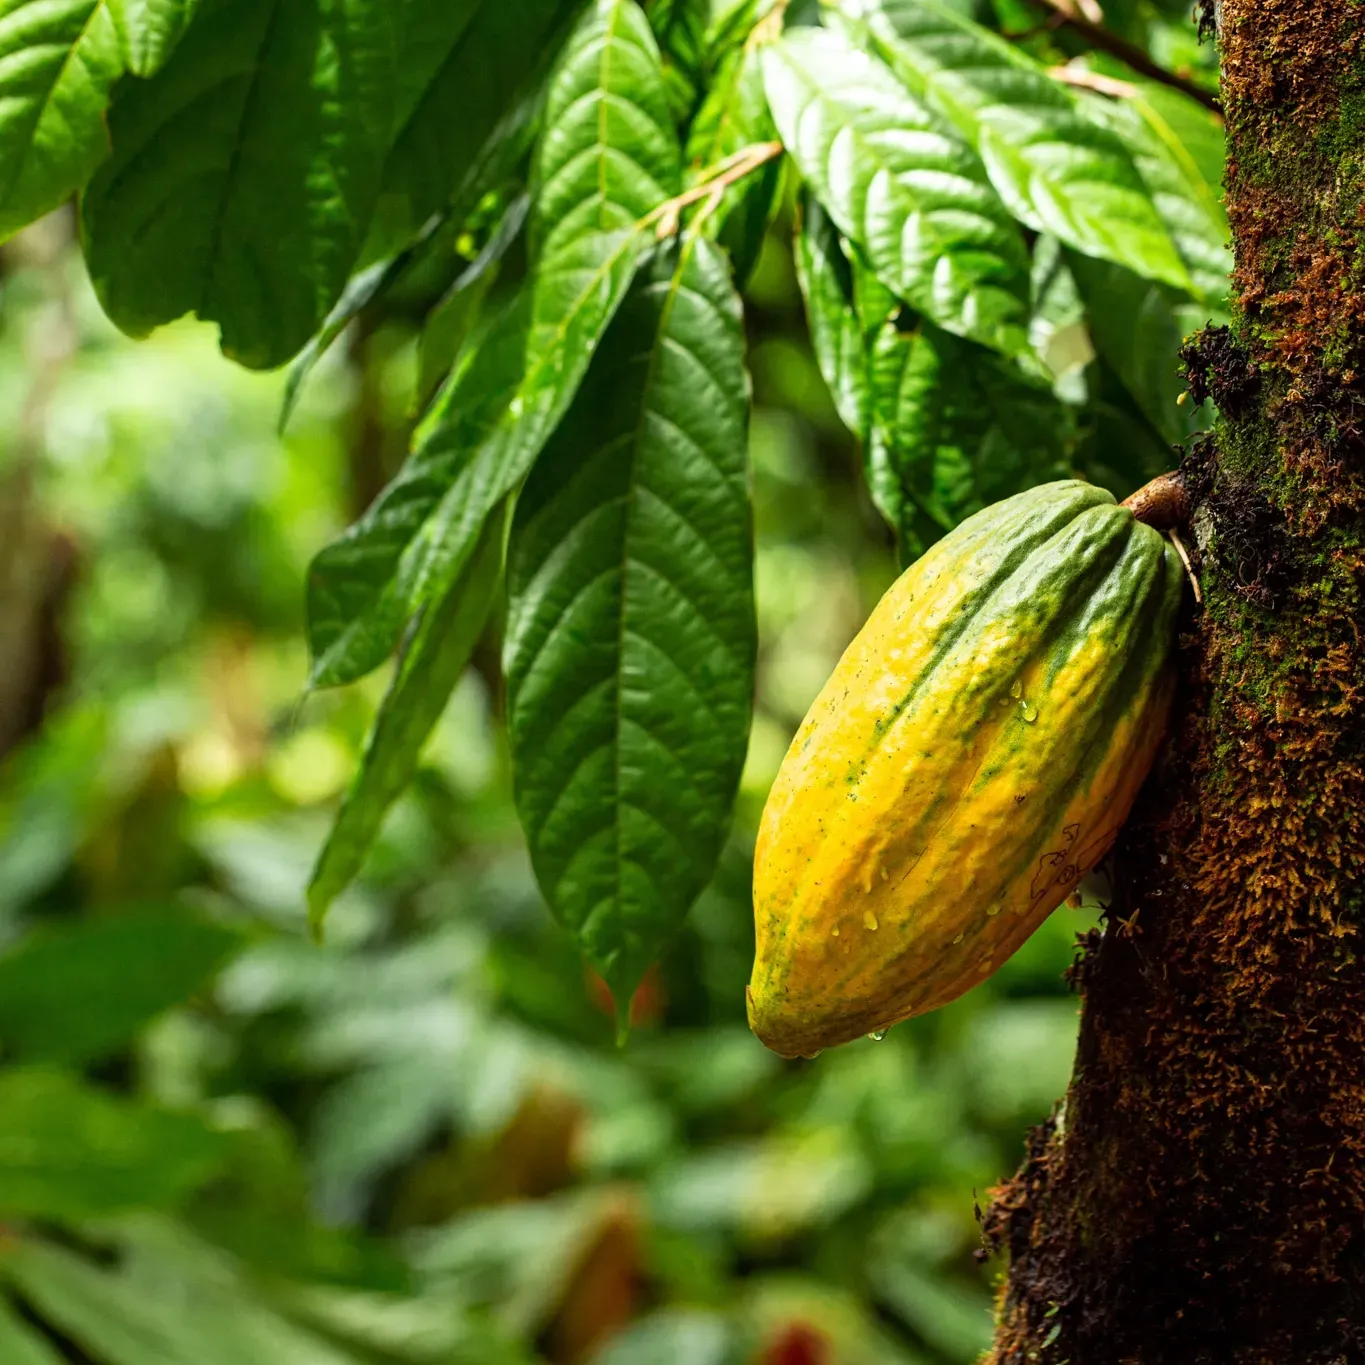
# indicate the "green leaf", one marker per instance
pixel 1058 170
pixel 1135 325
pixel 630 644
pixel 67 1151
pixel 432 662
pixel 449 323
pixel 1177 146
pixel 836 334
pixel 609 153
pixel 149 30
pixel 361 290
pixel 954 428
pixel 80 992
pixel 500 407
pixel 59 60
pixel 175 1303
pixel 20 1344
pixel 734 115
pixel 469 68
pixel 906 189
pixel 206 207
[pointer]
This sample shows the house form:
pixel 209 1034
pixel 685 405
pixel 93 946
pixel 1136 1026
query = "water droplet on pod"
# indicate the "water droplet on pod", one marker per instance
pixel 835 931
pixel 870 919
pixel 1016 689
pixel 878 1034
pixel 885 875
pixel 958 939
pixel 993 910
pixel 1030 712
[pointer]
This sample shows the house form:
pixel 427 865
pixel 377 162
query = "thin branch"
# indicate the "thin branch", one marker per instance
pixel 1106 40
pixel 712 185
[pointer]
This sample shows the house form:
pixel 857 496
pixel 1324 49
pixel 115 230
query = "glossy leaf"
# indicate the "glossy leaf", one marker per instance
pixel 609 153
pixel 361 291
pixel 1177 146
pixel 204 207
pixel 1057 170
pixel 149 30
pixel 630 644
pixel 902 185
pixel 75 994
pixel 59 60
pixel 734 115
pixel 1135 325
pixel 953 429
pixel 68 1151
pixel 489 425
pixel 836 335
pixel 469 70
pixel 450 322
pixel 433 660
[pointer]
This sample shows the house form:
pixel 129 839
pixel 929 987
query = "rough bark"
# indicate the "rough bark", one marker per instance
pixel 1200 1195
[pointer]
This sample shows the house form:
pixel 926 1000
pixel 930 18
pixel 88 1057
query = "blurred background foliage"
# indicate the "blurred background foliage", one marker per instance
pixel 418 1141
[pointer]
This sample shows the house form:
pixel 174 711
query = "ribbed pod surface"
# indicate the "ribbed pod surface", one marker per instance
pixel 974 753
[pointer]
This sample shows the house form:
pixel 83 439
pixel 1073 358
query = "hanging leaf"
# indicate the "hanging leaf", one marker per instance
pixel 58 63
pixel 469 74
pixel 734 115
pixel 826 282
pixel 603 165
pixel 1135 325
pixel 1057 170
pixel 431 664
pixel 1177 146
pixel 630 644
pixel 609 154
pixel 205 208
pixel 149 30
pixel 910 192
pixel 953 428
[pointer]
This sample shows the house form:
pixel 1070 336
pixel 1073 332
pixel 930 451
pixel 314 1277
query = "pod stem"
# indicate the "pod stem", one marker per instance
pixel 1161 504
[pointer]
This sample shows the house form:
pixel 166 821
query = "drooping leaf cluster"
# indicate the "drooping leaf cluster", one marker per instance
pixel 998 254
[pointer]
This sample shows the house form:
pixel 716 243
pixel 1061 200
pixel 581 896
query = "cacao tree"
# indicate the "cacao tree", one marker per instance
pixel 1007 220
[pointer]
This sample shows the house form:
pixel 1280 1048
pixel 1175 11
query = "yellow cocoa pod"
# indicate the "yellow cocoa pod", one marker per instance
pixel 971 757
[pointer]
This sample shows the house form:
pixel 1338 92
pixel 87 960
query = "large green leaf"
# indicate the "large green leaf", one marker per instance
pixel 630 644
pixel 734 115
pixel 609 153
pixel 77 993
pixel 149 30
pixel 244 173
pixel 500 407
pixel 467 68
pixel 58 61
pixel 67 1151
pixel 1135 325
pixel 432 662
pixel 1057 170
pixel 953 428
pixel 902 185
pixel 836 334
pixel 1177 145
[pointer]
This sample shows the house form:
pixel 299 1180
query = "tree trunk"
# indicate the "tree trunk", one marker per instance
pixel 1200 1195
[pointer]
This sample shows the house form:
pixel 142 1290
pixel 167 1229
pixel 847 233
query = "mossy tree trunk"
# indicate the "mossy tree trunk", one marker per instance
pixel 1200 1196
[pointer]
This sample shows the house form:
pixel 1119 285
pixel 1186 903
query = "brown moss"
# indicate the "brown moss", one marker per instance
pixel 1201 1196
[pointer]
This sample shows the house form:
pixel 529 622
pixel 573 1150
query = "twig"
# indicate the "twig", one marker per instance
pixel 722 175
pixel 1106 40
